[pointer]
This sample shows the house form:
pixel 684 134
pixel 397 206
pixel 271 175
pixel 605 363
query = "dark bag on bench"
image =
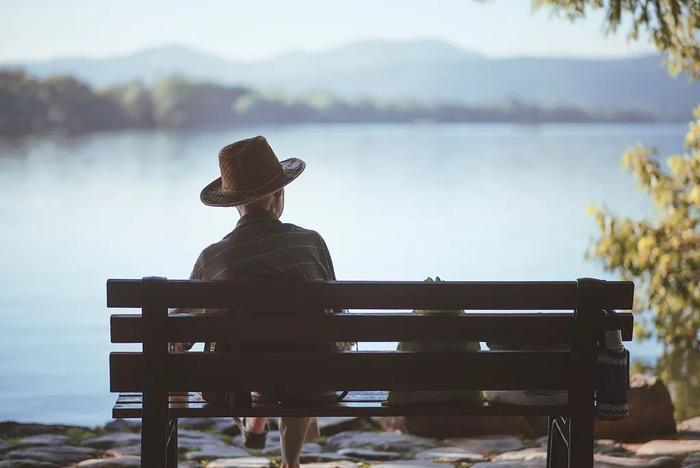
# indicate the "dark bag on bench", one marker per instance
pixel 612 375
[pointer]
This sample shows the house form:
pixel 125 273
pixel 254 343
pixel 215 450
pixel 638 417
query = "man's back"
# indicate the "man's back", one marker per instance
pixel 262 247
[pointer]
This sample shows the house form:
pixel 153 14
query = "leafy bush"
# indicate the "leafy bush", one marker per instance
pixel 662 256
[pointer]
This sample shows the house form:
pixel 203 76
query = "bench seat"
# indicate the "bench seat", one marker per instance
pixel 369 403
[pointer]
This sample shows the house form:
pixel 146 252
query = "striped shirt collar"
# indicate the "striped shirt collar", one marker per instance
pixel 257 217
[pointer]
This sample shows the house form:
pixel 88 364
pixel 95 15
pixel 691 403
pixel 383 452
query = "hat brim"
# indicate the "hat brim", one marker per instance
pixel 214 194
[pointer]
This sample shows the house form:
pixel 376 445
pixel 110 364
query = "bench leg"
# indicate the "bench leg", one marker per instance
pixel 581 441
pixel 172 443
pixel 557 444
pixel 154 431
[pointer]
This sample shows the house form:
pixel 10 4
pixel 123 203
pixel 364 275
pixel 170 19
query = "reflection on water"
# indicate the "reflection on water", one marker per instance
pixel 401 202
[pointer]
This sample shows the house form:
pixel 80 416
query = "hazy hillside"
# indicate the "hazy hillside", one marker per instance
pixel 428 71
pixel 65 104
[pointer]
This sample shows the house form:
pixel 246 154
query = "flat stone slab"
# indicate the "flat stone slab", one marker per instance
pixel 412 464
pixel 333 425
pixel 669 447
pixel 243 462
pixel 115 462
pixel 213 451
pixel 134 449
pixel 273 445
pixel 608 447
pixel 449 455
pixel 331 464
pixel 608 461
pixel 689 425
pixel 187 443
pixel 43 439
pixel 189 439
pixel 189 464
pixel 601 461
pixel 269 450
pixel 5 445
pixel 274 448
pixel 488 445
pixel 271 441
pixel 54 454
pixel 205 423
pixel 367 454
pixel 311 447
pixel 113 439
pixel 322 457
pixel 535 453
pixel 123 425
pixel 512 464
pixel 13 429
pixel 383 441
pixel 193 433
pixel 229 428
pixel 26 464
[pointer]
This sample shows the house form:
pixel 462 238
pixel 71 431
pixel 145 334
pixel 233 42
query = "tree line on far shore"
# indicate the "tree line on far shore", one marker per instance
pixel 64 103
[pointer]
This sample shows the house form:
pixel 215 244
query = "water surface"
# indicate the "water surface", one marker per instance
pixel 393 202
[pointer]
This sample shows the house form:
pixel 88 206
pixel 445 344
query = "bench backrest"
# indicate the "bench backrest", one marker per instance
pixel 577 322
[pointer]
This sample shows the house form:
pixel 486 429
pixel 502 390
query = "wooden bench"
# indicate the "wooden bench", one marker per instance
pixel 149 380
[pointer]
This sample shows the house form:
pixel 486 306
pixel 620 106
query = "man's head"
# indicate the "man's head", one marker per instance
pixel 252 177
pixel 273 203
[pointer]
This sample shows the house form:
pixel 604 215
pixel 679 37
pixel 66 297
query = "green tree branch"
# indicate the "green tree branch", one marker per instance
pixel 673 26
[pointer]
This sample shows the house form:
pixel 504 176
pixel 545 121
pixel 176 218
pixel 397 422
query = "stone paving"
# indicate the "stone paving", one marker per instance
pixel 345 443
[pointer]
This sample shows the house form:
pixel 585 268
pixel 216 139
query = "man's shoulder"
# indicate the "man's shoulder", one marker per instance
pixel 215 247
pixel 294 228
pixel 233 242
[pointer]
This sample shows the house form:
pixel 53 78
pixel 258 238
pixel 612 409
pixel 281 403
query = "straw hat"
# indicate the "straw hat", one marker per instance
pixel 250 170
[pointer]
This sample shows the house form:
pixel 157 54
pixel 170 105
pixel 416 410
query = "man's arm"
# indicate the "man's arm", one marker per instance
pixel 326 260
pixel 328 264
pixel 180 347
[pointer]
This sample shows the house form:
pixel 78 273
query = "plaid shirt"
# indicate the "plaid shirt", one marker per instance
pixel 263 247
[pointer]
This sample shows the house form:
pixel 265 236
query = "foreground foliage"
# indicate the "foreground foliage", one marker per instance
pixel 662 256
pixel 673 26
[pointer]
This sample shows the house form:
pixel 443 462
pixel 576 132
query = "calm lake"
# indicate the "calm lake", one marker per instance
pixel 393 202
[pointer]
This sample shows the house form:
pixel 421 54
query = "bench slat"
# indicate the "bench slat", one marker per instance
pixel 195 397
pixel 521 295
pixel 495 326
pixel 350 371
pixel 355 404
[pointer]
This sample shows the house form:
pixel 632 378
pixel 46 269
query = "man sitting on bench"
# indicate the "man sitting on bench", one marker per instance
pixel 261 246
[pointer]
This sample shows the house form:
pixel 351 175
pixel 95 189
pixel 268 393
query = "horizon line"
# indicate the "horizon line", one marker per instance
pixel 204 51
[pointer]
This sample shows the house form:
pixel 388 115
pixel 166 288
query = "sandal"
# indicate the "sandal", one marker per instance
pixel 251 440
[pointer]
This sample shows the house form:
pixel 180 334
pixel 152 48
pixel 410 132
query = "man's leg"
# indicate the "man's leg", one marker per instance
pixel 294 433
pixel 253 432
pixel 255 425
pixel 255 429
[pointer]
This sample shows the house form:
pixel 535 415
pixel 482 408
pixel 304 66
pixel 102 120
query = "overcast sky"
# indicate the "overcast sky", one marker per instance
pixel 255 29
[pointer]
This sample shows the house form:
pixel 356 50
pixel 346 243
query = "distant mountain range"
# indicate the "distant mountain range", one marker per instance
pixel 427 71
